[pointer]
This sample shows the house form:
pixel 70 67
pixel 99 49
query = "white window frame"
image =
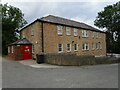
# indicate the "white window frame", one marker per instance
pixel 85 46
pixel 68 31
pixel 85 33
pixel 8 49
pixel 32 30
pixel 61 48
pixel 76 47
pixel 75 32
pixel 97 46
pixel 93 46
pixel 59 30
pixel 33 49
pixel 68 47
pixel 93 34
pixel 97 35
pixel 12 49
pixel 23 34
pixel 100 45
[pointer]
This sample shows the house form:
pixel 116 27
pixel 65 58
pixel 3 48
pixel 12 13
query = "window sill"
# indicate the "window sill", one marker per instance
pixel 68 35
pixel 75 50
pixel 85 50
pixel 84 37
pixel 59 34
pixel 68 51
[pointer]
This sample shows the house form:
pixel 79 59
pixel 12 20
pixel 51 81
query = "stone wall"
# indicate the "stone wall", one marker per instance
pixel 77 60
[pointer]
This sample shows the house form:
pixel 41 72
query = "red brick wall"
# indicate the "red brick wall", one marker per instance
pixel 17 52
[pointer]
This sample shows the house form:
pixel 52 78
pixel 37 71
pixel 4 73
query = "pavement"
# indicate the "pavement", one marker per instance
pixel 32 63
pixel 18 75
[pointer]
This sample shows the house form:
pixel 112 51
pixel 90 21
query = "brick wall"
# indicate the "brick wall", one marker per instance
pixel 51 39
pixel 17 52
pixel 36 39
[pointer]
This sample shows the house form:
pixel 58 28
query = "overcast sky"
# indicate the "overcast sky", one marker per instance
pixel 81 11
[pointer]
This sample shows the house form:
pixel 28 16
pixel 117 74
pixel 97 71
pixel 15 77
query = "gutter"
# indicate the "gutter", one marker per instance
pixel 42 37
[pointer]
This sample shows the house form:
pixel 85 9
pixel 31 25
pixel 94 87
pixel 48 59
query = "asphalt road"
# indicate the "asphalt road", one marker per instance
pixel 16 75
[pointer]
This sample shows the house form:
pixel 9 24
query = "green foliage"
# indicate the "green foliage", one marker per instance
pixel 12 21
pixel 109 19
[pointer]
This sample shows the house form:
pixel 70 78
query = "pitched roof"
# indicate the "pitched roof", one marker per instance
pixel 63 21
pixel 21 42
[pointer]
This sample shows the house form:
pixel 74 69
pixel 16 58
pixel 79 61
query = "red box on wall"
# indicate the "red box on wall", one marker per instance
pixel 20 50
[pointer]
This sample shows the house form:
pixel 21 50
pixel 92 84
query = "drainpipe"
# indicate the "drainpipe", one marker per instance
pixel 42 38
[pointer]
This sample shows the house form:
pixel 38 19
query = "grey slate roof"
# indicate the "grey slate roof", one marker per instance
pixel 63 21
pixel 22 42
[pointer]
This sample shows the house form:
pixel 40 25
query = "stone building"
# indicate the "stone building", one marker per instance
pixel 52 34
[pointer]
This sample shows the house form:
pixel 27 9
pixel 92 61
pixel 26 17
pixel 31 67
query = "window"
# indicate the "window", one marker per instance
pixel 23 34
pixel 93 47
pixel 12 49
pixel 96 35
pixel 8 49
pixel 32 30
pixel 33 50
pixel 68 31
pixel 59 30
pixel 97 46
pixel 68 47
pixel 84 33
pixel 99 35
pixel 100 45
pixel 93 34
pixel 75 47
pixel 60 47
pixel 75 32
pixel 85 46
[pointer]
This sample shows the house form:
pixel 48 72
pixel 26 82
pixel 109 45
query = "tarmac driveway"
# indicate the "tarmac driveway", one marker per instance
pixel 17 75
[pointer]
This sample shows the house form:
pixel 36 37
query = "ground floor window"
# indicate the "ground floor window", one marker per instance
pixel 8 49
pixel 60 47
pixel 68 47
pixel 97 46
pixel 75 47
pixel 93 47
pixel 33 50
pixel 12 49
pixel 85 46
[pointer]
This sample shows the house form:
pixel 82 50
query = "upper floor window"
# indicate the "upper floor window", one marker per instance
pixel 85 33
pixel 75 47
pixel 23 34
pixel 68 31
pixel 93 34
pixel 97 35
pixel 59 30
pixel 85 46
pixel 75 32
pixel 32 30
pixel 68 47
pixel 60 47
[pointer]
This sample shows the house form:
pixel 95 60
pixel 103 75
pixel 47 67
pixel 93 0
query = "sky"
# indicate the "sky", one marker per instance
pixel 84 11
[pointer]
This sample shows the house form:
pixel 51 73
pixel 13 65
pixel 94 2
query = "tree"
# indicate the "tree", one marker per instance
pixel 109 19
pixel 12 21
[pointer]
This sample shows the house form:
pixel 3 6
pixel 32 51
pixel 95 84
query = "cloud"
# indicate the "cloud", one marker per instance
pixel 85 12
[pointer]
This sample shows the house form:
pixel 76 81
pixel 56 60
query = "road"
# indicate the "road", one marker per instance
pixel 17 75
